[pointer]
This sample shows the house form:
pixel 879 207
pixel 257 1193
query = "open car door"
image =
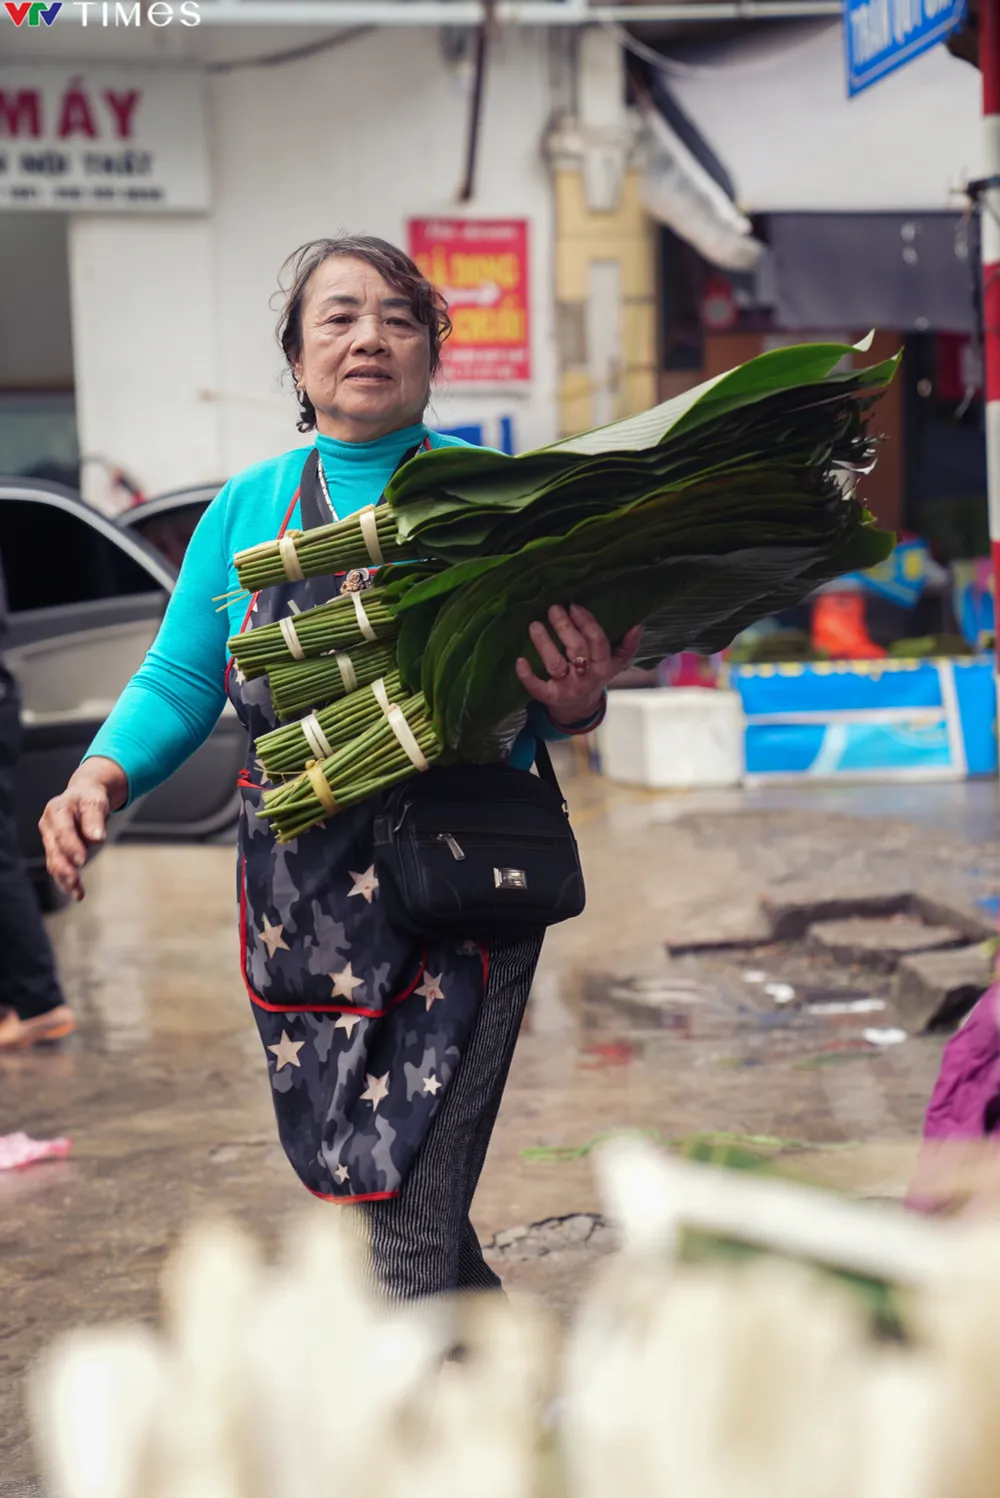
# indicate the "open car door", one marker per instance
pixel 85 603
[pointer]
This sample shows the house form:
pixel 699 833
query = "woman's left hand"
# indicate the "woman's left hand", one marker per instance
pixel 581 670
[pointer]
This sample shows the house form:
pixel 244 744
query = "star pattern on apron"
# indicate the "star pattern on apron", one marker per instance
pixel 363 1026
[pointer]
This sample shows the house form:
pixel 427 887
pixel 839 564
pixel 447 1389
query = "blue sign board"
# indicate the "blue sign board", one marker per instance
pixel 886 720
pixel 882 35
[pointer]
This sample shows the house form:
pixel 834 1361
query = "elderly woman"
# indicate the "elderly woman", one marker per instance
pixel 387 1055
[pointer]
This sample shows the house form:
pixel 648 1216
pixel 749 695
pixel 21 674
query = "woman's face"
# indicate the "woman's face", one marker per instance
pixel 364 360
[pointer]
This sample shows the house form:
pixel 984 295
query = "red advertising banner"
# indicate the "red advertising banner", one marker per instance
pixel 481 268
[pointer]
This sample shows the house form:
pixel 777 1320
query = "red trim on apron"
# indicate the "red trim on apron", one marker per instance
pixel 348 1201
pixel 255 998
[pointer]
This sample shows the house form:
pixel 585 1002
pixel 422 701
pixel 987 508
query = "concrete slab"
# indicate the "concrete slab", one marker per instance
pixel 939 988
pixel 879 943
pixel 790 917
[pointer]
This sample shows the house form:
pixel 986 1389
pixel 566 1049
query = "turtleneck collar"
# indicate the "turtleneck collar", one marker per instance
pixel 390 448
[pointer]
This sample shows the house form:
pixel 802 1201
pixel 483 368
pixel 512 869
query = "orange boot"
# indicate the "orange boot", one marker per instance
pixel 839 629
pixel 17 1034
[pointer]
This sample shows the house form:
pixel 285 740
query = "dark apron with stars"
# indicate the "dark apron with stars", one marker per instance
pixel 362 1025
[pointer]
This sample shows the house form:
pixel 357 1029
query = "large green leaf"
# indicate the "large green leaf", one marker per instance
pixel 730 502
pixel 768 374
pixel 492 504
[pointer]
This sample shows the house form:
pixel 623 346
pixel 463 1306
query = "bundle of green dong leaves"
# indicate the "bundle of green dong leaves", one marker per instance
pixel 715 509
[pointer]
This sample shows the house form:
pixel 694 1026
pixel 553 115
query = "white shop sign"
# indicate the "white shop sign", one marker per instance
pixel 115 138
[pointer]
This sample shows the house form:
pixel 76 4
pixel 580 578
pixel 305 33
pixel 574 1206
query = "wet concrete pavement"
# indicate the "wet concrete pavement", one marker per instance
pixel 165 1093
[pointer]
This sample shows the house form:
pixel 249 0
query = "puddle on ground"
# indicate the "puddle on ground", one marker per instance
pixel 778 1005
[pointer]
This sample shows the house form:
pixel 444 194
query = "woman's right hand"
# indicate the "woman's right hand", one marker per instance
pixel 75 821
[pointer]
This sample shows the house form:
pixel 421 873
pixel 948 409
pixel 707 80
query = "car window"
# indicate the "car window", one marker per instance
pixel 171 530
pixel 52 556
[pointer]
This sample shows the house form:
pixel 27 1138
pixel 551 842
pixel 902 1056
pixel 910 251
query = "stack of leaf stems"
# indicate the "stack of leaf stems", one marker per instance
pixel 297 686
pixel 286 751
pixel 329 626
pixel 373 762
pixel 326 549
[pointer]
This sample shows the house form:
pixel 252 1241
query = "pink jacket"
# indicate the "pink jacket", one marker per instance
pixel 965 1103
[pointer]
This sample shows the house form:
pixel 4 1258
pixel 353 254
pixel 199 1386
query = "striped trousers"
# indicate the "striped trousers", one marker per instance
pixel 422 1241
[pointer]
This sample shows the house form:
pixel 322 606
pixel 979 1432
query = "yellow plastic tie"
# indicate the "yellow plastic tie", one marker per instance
pixel 318 781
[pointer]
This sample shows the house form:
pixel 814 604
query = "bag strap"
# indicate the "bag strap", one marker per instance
pixel 310 500
pixel 546 769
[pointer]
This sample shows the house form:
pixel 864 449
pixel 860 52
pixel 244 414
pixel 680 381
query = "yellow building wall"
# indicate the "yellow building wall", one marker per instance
pixel 625 235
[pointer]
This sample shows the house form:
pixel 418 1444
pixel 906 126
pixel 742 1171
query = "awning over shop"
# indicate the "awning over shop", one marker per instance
pixel 679 192
pixel 910 272
pixel 774 110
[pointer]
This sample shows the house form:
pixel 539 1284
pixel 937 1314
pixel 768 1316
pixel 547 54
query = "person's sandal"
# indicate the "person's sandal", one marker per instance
pixel 16 1034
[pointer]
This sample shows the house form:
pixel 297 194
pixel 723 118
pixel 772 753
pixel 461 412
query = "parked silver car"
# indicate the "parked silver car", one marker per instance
pixel 86 595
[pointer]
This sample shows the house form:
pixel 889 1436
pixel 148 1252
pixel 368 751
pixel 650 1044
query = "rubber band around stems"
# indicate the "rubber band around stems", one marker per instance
pixel 290 637
pixel 364 623
pixel 290 559
pixel 381 695
pixel 323 793
pixel 348 675
pixel 369 534
pixel 315 737
pixel 404 733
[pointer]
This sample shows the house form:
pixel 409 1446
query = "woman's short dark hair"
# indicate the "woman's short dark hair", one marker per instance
pixel 426 302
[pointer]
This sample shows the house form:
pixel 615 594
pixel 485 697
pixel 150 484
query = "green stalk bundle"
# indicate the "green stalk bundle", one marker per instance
pixel 330 626
pixel 327 549
pixel 370 763
pixel 286 751
pixel 300 685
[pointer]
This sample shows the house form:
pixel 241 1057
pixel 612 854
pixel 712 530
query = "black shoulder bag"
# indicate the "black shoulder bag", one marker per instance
pixel 476 851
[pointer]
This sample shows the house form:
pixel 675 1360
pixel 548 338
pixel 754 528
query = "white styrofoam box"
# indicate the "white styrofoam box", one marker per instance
pixel 672 737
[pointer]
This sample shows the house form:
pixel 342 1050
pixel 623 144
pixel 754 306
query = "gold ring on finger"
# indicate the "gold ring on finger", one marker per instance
pixel 581 665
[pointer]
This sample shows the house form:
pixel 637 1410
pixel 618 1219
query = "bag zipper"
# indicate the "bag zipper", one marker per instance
pixel 454 846
pixel 489 839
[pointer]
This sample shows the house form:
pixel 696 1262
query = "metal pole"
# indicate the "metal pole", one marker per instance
pixel 483 41
pixel 989 59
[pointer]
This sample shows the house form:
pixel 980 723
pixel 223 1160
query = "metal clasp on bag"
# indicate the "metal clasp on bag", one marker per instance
pixel 510 879
pixel 454 846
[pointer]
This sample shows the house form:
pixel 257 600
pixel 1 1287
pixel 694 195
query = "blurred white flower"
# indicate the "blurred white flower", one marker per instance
pixel 745 1377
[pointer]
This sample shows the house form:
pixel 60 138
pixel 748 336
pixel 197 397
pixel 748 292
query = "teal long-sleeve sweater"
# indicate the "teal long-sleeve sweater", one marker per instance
pixel 172 703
